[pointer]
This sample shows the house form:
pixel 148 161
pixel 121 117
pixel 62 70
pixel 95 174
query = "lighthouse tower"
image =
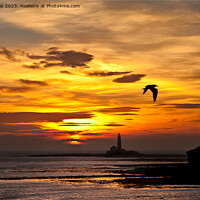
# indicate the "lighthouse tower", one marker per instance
pixel 119 145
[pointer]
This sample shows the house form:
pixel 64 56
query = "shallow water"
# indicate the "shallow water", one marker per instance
pixel 37 189
pixel 80 178
pixel 30 167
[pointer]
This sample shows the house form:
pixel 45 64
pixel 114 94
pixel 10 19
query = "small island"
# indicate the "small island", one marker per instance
pixel 118 151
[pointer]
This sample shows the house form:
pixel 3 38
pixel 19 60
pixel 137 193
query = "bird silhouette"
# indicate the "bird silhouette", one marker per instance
pixel 153 89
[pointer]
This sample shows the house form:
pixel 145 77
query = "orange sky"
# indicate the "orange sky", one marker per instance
pixel 76 75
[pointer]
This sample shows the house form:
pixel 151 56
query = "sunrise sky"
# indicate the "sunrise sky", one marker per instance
pixel 72 79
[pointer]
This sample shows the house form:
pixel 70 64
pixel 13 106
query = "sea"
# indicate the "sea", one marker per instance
pixel 84 178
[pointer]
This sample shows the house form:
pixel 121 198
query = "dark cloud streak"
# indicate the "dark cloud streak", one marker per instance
pixel 129 78
pixel 27 117
pixel 106 73
pixel 65 72
pixel 113 124
pixel 10 55
pixel 118 110
pixel 33 82
pixel 11 89
pixel 183 106
pixel 74 124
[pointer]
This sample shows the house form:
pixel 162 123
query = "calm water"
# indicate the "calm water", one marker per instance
pixel 79 178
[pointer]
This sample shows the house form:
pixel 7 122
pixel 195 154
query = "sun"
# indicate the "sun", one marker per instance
pixel 74 143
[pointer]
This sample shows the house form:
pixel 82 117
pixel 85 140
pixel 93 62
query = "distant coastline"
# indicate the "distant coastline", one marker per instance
pixel 113 156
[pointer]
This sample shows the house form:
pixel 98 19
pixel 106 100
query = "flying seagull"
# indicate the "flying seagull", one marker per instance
pixel 153 89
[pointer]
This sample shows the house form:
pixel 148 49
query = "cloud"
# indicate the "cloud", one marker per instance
pixel 52 49
pixel 10 55
pixel 184 106
pixel 147 7
pixel 65 72
pixel 20 35
pixel 33 66
pixel 126 114
pixel 30 129
pixel 52 58
pixel 48 64
pixel 12 142
pixel 11 89
pixel 198 120
pixel 70 58
pixel 191 76
pixel 173 121
pixel 118 109
pixel 33 129
pixel 164 134
pixel 61 58
pixel 33 82
pixel 27 117
pixel 129 78
pixel 113 124
pixel 75 124
pixel 95 134
pixel 18 128
pixel 106 73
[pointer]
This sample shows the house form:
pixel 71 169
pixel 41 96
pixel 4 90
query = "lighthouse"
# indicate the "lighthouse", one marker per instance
pixel 118 151
pixel 119 145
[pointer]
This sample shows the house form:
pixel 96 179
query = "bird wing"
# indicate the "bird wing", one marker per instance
pixel 145 89
pixel 155 93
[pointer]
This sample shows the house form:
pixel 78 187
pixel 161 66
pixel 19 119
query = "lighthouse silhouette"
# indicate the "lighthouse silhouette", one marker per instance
pixel 118 151
pixel 119 143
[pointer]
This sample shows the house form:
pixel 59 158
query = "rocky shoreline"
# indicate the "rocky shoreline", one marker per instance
pixel 168 174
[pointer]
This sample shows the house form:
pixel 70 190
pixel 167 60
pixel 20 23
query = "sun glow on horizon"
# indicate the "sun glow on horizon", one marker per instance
pixel 74 143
